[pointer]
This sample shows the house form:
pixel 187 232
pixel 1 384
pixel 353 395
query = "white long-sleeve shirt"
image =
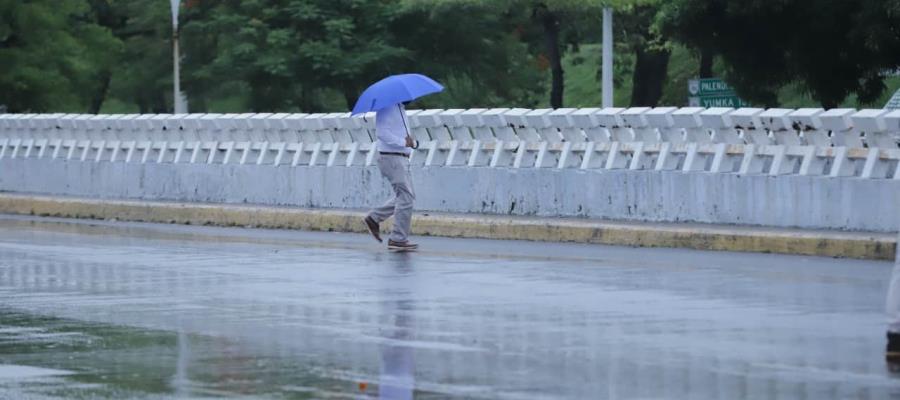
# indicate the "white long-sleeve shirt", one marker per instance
pixel 392 128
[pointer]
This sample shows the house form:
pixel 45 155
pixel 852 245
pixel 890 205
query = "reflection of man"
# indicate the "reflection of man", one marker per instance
pixel 892 353
pixel 394 147
pixel 397 361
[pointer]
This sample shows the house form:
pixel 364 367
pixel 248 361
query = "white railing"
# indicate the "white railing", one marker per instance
pixel 836 143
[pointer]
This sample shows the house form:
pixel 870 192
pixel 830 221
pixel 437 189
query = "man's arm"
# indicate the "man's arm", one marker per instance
pixel 410 142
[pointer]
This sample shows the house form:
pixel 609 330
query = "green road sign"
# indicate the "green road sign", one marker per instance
pixel 717 101
pixel 712 92
pixel 708 86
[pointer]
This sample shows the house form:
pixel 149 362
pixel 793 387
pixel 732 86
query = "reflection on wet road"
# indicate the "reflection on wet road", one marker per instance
pixel 105 310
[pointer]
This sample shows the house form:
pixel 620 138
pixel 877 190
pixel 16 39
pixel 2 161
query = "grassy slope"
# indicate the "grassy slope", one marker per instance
pixel 583 86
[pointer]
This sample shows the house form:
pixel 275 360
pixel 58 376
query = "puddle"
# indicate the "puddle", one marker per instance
pixel 25 372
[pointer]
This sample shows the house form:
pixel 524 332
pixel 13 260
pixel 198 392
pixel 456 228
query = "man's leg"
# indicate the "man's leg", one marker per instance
pixel 375 217
pixel 396 169
pixel 380 214
pixel 402 212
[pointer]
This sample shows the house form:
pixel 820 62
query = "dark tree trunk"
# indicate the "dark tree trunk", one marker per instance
pixel 350 95
pixel 550 22
pixel 650 68
pixel 159 104
pixel 100 95
pixel 706 63
pixel 307 100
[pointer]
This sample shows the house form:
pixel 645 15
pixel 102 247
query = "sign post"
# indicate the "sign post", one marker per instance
pixel 606 77
pixel 180 101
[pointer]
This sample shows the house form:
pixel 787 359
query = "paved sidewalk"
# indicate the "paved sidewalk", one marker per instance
pixel 677 235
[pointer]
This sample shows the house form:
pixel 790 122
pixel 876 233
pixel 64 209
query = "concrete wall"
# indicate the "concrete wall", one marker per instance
pixel 785 201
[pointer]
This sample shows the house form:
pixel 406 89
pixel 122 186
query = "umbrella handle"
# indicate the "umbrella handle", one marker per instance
pixel 406 127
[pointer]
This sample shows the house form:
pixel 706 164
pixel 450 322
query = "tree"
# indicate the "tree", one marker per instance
pixel 830 48
pixel 303 54
pixel 480 56
pixel 550 21
pixel 143 72
pixel 651 52
pixel 49 51
pixel 110 16
pixel 562 23
pixel 288 52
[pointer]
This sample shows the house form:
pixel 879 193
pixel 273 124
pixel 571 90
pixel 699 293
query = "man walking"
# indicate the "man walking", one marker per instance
pixel 394 146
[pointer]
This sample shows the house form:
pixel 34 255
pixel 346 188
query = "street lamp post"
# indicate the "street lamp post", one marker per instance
pixel 606 77
pixel 180 101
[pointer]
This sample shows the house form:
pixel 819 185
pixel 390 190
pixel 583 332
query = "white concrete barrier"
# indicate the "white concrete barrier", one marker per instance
pixel 747 141
pixel 809 202
pixel 808 168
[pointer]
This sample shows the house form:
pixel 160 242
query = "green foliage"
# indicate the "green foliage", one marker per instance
pixel 830 48
pixel 326 44
pixel 49 51
pixel 296 54
pixel 318 55
pixel 480 52
pixel 143 74
pixel 574 6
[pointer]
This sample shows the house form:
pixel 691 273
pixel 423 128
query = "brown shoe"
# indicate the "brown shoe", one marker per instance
pixel 402 246
pixel 373 228
pixel 892 352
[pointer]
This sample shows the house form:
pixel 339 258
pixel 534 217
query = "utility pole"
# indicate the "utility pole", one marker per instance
pixel 180 101
pixel 607 64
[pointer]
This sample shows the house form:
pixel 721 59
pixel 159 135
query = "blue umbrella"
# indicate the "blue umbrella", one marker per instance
pixel 395 89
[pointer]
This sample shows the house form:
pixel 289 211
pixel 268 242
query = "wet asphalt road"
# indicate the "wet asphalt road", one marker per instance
pixel 115 310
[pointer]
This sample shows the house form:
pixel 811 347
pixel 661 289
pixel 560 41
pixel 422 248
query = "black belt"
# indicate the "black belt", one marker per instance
pixel 385 153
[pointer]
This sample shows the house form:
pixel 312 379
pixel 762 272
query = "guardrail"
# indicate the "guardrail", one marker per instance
pixel 808 141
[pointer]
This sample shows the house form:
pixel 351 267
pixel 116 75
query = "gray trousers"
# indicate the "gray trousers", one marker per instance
pixel 396 170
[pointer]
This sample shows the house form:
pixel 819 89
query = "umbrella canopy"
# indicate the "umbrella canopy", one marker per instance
pixel 395 89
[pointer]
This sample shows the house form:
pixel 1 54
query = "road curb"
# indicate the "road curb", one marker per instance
pixel 877 246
